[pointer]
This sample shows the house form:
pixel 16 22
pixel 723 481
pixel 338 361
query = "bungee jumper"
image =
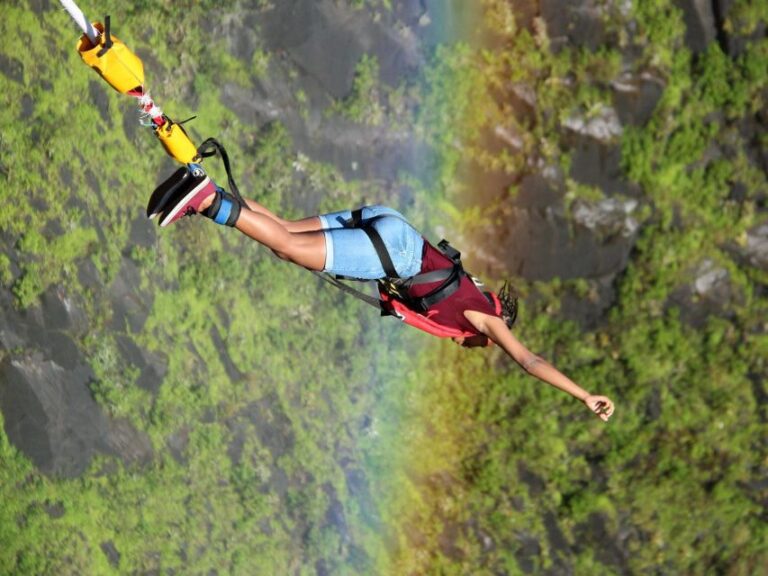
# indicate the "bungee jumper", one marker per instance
pixel 423 285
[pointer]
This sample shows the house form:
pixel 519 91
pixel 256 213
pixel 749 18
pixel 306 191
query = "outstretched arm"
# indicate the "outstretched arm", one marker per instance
pixel 496 330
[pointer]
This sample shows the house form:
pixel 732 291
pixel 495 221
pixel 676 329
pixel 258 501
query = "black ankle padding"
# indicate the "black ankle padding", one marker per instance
pixel 213 209
pixel 234 213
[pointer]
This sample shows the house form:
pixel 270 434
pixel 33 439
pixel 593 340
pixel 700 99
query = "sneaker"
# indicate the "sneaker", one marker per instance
pixel 169 191
pixel 174 188
pixel 186 200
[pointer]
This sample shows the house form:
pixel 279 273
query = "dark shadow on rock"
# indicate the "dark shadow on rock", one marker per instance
pixel 574 23
pixel 143 233
pixel 635 98
pixel 278 441
pixel 151 366
pixel 131 127
pixel 111 552
pixel 50 415
pixel 559 546
pixel 528 554
pixel 589 311
pixel 653 405
pixel 27 107
pixel 60 311
pixel 525 11
pixel 65 177
pixel 699 23
pixel 11 68
pixel 734 42
pixel 55 510
pixel 537 240
pixel 38 6
pixel 177 445
pixel 358 489
pixel 232 371
pixel 598 164
pixel 447 541
pixel 533 481
pixel 130 306
pixel 273 427
pixel 326 42
pixel 334 515
pixel 593 534
pixel 100 98
pixel 133 446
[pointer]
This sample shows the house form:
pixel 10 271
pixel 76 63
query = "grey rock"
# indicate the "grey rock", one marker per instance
pixel 575 23
pixel 50 415
pixel 710 279
pixel 315 47
pixel 608 216
pixel 603 125
pixel 636 96
pixel 756 249
pixel 133 446
pixel 524 92
pixel 534 240
pixel 708 292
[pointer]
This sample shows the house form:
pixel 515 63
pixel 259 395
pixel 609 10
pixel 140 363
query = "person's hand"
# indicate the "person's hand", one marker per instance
pixel 600 405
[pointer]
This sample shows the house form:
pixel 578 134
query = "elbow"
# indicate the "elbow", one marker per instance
pixel 530 363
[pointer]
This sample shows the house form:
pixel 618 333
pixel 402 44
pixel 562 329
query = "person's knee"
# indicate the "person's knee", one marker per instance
pixel 282 255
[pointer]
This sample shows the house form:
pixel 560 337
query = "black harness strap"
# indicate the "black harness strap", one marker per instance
pixel 381 250
pixel 451 285
pixel 107 37
pixel 209 148
pixel 450 277
pixel 375 302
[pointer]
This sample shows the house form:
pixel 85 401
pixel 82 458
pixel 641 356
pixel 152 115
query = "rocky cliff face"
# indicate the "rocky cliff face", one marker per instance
pixel 307 54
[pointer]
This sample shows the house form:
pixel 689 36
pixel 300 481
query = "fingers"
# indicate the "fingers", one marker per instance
pixel 603 407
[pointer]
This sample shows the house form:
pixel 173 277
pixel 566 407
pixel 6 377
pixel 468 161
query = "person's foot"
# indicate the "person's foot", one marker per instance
pixel 197 198
pixel 173 188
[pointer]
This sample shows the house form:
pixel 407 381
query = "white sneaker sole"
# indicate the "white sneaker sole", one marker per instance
pixel 182 204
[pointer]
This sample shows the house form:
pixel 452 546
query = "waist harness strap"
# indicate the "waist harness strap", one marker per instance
pixel 393 284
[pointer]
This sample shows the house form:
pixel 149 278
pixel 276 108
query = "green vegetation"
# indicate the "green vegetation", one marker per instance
pixel 441 461
pixel 364 103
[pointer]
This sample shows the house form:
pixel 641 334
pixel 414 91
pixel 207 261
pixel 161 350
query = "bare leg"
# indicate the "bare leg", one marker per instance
pixel 303 247
pixel 304 225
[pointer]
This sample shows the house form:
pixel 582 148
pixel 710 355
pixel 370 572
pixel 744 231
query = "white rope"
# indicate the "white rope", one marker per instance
pixel 80 19
pixel 148 106
pixel 155 111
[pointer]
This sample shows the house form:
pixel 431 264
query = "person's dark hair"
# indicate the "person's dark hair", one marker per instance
pixel 508 298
